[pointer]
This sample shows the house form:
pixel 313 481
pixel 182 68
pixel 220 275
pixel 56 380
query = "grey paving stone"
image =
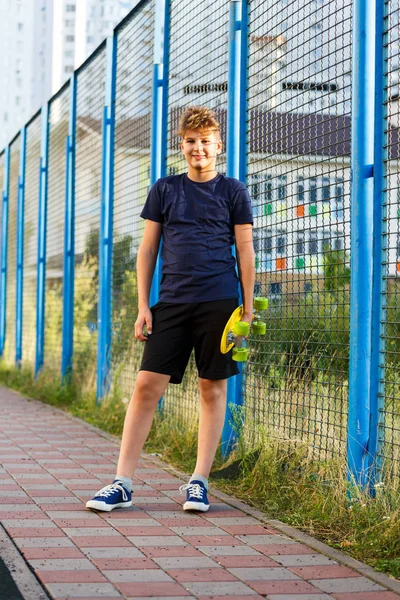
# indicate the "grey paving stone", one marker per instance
pixel 132 523
pixel 23 476
pixel 63 471
pixel 303 560
pixel 51 542
pixel 264 539
pixel 57 461
pixel 27 523
pixel 10 495
pixel 72 514
pixel 188 562
pixel 78 481
pixel 153 500
pixel 199 531
pixel 219 588
pixel 170 514
pixel 234 521
pixel 138 576
pixel 62 564
pixel 30 507
pixel 83 590
pixel 156 540
pixel 43 486
pixel 162 597
pixel 90 531
pixel 346 584
pixel 124 552
pixel 263 573
pixel 58 500
pixel 229 551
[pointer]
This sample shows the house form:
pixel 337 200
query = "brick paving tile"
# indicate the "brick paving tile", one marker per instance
pixel 105 564
pixel 113 552
pixel 70 504
pixel 222 511
pixel 153 551
pixel 10 487
pixel 143 522
pixel 33 532
pixel 92 542
pixel 247 529
pixel 75 576
pixel 43 522
pixel 262 573
pixel 83 590
pixel 55 500
pixel 303 560
pixel 206 540
pixel 217 574
pixel 323 572
pixel 157 540
pixel 201 531
pixel 43 493
pixel 278 549
pixel 245 561
pixel 229 550
pixel 218 588
pixel 47 542
pixel 29 507
pixel 184 522
pixel 284 587
pixel 125 513
pixel 21 514
pixel 51 553
pixel 185 562
pixel 295 597
pixel 137 531
pixel 132 590
pixel 231 597
pixel 347 584
pixel 138 575
pixel 154 507
pixel 64 564
pixel 74 523
pixel 91 531
pixel 366 596
pixel 178 513
pixel 17 500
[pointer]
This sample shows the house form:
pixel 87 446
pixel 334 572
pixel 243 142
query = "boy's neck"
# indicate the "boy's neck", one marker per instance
pixel 201 177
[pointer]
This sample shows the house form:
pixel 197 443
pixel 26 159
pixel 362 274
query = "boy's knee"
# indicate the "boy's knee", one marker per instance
pixel 211 389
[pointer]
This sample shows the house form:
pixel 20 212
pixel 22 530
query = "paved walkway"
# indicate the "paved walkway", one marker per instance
pixel 51 464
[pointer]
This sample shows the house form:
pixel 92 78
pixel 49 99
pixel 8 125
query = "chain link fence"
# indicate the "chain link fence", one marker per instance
pixel 299 110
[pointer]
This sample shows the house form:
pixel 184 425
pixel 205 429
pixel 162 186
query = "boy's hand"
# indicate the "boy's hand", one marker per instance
pixel 248 317
pixel 144 319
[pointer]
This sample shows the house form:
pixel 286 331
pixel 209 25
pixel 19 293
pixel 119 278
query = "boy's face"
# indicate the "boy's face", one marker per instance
pixel 201 148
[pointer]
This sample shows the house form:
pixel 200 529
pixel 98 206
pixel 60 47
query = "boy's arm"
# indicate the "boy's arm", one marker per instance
pixel 146 260
pixel 246 261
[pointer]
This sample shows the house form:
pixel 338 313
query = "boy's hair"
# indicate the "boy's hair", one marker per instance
pixel 198 118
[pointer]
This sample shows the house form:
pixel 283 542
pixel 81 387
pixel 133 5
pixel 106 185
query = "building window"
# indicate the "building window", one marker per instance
pixel 69 54
pixel 69 38
pixel 326 194
pixel 17 100
pixel 70 8
pixel 300 190
pixel 338 200
pixel 20 26
pixel 281 244
pixel 275 288
pixel 338 244
pixel 69 23
pixel 313 190
pixel 300 243
pixel 313 243
pixel 69 69
pixel 89 39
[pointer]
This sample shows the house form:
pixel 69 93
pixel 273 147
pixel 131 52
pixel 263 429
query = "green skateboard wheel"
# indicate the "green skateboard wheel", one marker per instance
pixel 259 327
pixel 240 354
pixel 261 303
pixel 241 328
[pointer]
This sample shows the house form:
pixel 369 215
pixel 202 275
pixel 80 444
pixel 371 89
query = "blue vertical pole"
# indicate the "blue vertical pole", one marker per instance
pixel 42 241
pixel 20 249
pixel 69 240
pixel 104 316
pixel 4 248
pixel 362 205
pixel 159 115
pixel 236 163
pixel 379 253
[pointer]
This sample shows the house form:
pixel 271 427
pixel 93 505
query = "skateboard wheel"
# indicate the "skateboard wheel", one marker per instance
pixel 261 303
pixel 259 327
pixel 241 328
pixel 240 354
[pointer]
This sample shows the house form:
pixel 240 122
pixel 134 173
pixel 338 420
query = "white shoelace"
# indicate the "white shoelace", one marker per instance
pixel 194 490
pixel 108 490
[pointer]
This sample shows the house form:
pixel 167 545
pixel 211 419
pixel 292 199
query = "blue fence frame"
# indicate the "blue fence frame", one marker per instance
pixel 4 249
pixel 20 250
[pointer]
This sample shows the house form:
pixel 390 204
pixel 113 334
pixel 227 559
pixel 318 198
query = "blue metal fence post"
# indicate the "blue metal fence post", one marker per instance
pixel 362 158
pixel 20 249
pixel 69 240
pixel 104 316
pixel 42 240
pixel 236 163
pixel 374 460
pixel 159 115
pixel 4 248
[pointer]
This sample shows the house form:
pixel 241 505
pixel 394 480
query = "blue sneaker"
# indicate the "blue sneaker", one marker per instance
pixel 110 497
pixel 196 496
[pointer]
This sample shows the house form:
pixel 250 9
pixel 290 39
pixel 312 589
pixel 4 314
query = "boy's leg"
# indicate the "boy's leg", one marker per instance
pixel 212 417
pixel 148 390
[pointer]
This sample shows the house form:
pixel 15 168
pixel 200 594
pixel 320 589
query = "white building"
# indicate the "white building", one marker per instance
pixel 25 61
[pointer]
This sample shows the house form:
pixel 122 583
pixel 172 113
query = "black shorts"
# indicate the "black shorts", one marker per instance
pixel 178 328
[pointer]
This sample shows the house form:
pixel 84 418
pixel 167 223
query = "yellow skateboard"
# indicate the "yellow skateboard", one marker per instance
pixel 236 330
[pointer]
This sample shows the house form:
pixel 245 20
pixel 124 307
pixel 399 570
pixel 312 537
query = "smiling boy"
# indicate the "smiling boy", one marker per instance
pixel 199 216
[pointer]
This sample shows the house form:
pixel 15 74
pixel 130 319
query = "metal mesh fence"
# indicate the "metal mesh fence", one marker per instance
pixel 390 410
pixel 9 349
pixel 131 183
pixel 58 120
pixel 32 168
pixel 90 102
pixel 197 77
pixel 299 146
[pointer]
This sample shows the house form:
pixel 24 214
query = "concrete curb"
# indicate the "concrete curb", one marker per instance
pixel 337 555
pixel 23 577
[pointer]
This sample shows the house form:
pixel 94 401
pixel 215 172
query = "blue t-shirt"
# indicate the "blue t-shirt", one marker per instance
pixel 198 233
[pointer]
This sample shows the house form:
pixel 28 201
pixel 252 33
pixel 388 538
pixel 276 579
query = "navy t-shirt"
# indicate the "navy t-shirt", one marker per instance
pixel 198 233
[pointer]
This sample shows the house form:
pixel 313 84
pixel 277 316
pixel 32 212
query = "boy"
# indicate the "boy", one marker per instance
pixel 199 216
